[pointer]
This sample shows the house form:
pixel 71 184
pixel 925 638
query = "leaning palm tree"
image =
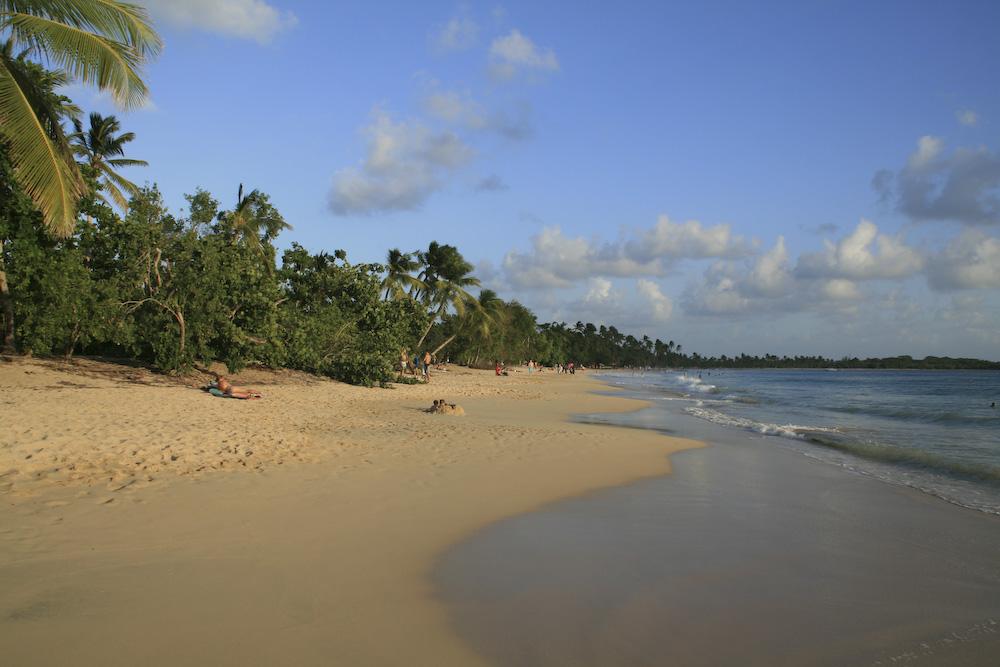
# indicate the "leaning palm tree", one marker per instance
pixel 399 278
pixel 99 42
pixel 481 322
pixel 448 276
pixel 98 147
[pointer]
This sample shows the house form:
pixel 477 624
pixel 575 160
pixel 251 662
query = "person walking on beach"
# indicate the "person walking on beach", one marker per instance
pixel 427 366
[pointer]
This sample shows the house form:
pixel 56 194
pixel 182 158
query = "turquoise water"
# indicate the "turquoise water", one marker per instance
pixel 931 430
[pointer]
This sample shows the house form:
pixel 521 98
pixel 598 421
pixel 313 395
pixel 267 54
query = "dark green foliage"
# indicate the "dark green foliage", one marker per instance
pixel 56 303
pixel 335 323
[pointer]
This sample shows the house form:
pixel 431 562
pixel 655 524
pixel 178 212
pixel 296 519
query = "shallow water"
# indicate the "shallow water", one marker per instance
pixel 931 430
pixel 748 554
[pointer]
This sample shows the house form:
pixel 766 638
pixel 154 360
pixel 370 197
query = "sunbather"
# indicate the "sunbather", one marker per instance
pixel 229 391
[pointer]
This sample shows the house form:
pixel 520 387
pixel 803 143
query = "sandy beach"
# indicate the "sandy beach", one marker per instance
pixel 144 521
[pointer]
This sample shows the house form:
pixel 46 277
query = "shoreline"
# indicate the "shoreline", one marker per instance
pixel 293 562
pixel 749 553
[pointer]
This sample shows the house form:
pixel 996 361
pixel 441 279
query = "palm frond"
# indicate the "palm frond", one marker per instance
pixel 123 22
pixel 111 186
pixel 45 168
pixel 127 162
pixel 87 56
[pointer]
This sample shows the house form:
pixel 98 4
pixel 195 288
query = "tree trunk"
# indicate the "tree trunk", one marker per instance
pixel 180 320
pixel 7 305
pixel 441 346
pixel 426 331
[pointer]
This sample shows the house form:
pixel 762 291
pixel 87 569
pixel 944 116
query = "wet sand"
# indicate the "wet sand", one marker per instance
pixel 145 522
pixel 748 554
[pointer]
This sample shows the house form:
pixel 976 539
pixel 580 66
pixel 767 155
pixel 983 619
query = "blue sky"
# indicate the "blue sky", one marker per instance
pixel 800 177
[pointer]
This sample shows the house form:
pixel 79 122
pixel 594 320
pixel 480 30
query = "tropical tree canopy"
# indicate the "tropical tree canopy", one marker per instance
pixel 398 281
pixel 98 146
pixel 103 43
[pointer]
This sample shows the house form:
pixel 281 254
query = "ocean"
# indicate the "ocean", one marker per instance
pixel 934 431
pixel 835 518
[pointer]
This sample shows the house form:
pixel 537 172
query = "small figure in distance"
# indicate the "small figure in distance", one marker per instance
pixel 442 407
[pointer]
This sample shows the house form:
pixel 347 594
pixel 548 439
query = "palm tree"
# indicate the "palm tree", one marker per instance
pixel 446 275
pixel 51 109
pixel 98 146
pixel 254 220
pixel 481 321
pixel 398 279
pixel 99 42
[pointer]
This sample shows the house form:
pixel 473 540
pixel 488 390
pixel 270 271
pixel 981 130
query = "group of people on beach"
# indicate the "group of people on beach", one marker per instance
pixel 421 363
pixel 533 366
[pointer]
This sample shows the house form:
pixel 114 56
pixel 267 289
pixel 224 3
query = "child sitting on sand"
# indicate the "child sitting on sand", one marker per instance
pixel 441 407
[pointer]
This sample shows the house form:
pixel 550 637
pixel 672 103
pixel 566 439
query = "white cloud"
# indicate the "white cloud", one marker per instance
pixel 246 19
pixel 515 52
pixel 660 306
pixel 599 291
pixel 406 163
pixel 556 260
pixel 455 108
pixel 967 117
pixel 462 111
pixel 969 261
pixel 928 150
pixel 688 239
pixel 770 274
pixel 729 288
pixel 458 34
pixel 840 289
pixel 855 257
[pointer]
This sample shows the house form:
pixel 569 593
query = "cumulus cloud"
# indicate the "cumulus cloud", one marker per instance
pixel 934 186
pixel 730 287
pixel 967 117
pixel 556 260
pixel 969 261
pixel 687 239
pixel 864 254
pixel 840 289
pixel 463 111
pixel 515 52
pixel 405 164
pixel 599 292
pixel 458 34
pixel 246 19
pixel 659 305
pixel 770 276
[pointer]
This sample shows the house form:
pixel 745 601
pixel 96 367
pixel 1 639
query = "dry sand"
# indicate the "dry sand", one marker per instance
pixel 144 521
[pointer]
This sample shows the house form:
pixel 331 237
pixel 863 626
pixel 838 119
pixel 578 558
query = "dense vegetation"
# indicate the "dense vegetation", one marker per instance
pixel 91 263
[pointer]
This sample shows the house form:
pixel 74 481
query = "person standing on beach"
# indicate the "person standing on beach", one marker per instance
pixel 427 366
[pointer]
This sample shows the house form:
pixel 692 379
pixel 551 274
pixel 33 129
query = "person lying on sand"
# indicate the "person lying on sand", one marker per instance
pixel 229 391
